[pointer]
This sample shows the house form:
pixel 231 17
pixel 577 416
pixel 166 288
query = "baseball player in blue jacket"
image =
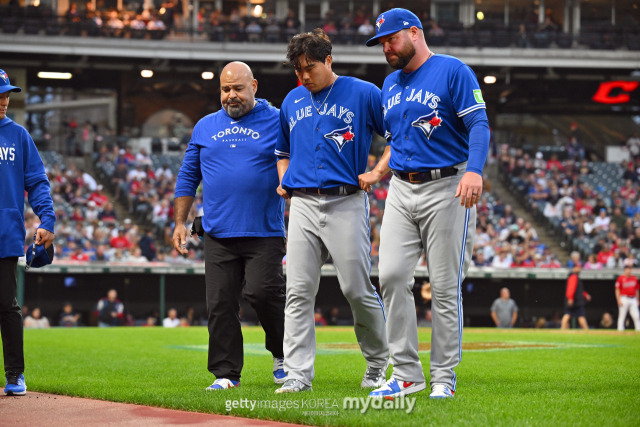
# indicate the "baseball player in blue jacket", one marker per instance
pixel 21 169
pixel 231 152
pixel 326 126
pixel 438 138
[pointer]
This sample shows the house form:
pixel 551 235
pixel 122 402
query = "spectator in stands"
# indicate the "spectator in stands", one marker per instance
pixel 522 39
pixel 172 320
pixel 575 299
pixel 35 320
pixel 110 310
pixel 554 164
pixel 633 144
pixel 503 259
pixel 135 256
pixel 68 317
pixel 365 29
pixel 602 221
pixel 504 310
pixel 120 241
pixel 574 259
pixel 436 35
pixel 592 263
pixel 254 31
pixel 479 259
pixel 100 254
pixel 108 213
pixel 575 150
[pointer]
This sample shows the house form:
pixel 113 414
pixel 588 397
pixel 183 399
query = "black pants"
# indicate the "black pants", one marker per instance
pixel 10 316
pixel 251 266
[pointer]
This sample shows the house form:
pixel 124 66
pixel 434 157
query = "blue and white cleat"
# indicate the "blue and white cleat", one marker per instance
pixel 441 391
pixel 15 384
pixel 279 375
pixel 223 384
pixel 397 388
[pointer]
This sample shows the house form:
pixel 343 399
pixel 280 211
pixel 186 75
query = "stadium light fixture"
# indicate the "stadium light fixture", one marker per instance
pixel 207 75
pixel 490 79
pixel 54 75
pixel 146 74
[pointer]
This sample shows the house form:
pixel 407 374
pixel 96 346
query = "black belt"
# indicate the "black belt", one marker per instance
pixel 342 190
pixel 420 177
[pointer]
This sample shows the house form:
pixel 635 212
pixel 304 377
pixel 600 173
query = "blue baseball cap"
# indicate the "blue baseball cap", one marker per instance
pixel 38 256
pixel 5 84
pixel 392 21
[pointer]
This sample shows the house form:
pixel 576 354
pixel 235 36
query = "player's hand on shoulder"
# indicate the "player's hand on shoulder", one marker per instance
pixel 283 193
pixel 469 189
pixel 368 180
pixel 180 239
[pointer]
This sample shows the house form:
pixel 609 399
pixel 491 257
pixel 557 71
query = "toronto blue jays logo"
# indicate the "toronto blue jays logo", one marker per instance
pixel 379 22
pixel 428 123
pixel 341 136
pixel 5 77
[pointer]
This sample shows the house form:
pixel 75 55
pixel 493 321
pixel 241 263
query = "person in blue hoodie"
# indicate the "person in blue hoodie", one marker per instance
pixel 21 169
pixel 231 152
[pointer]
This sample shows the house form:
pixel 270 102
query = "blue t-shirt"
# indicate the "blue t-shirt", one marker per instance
pixel 328 148
pixel 234 160
pixel 423 115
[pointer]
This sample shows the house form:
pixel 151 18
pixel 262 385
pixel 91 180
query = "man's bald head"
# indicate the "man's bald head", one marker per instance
pixel 237 89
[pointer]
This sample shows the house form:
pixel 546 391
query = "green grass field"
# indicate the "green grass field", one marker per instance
pixel 507 377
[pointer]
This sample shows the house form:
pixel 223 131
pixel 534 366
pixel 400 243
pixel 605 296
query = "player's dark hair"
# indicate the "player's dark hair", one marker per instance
pixel 315 46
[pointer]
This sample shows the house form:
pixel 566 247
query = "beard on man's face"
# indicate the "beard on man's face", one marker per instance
pixel 402 58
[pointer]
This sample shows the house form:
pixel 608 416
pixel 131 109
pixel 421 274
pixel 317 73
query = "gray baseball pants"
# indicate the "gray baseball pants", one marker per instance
pixel 425 216
pixel 318 226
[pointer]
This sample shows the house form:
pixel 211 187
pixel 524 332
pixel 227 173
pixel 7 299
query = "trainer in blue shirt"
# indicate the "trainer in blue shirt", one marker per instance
pixel 326 125
pixel 231 153
pixel 438 138
pixel 21 169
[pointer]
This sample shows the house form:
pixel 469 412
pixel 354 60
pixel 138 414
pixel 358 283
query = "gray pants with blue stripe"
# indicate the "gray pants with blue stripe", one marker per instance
pixel 425 216
pixel 318 226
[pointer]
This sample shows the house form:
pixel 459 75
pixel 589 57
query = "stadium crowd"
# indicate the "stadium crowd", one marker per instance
pixel 598 216
pixel 171 18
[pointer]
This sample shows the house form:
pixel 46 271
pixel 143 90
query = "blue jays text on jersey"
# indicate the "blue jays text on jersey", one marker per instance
pixel 424 116
pixel 7 153
pixel 234 160
pixel 328 142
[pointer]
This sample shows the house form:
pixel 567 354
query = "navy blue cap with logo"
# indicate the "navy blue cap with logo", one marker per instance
pixel 5 84
pixel 392 21
pixel 38 256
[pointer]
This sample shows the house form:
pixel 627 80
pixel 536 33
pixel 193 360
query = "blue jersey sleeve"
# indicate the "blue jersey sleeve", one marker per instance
pixel 478 125
pixel 375 110
pixel 190 173
pixel 466 93
pixel 37 185
pixel 283 147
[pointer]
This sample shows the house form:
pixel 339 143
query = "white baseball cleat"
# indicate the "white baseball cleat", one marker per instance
pixel 293 386
pixel 441 391
pixel 375 377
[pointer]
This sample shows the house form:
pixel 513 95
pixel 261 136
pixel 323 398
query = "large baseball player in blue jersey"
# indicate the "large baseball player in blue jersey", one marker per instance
pixel 231 152
pixel 438 138
pixel 325 135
